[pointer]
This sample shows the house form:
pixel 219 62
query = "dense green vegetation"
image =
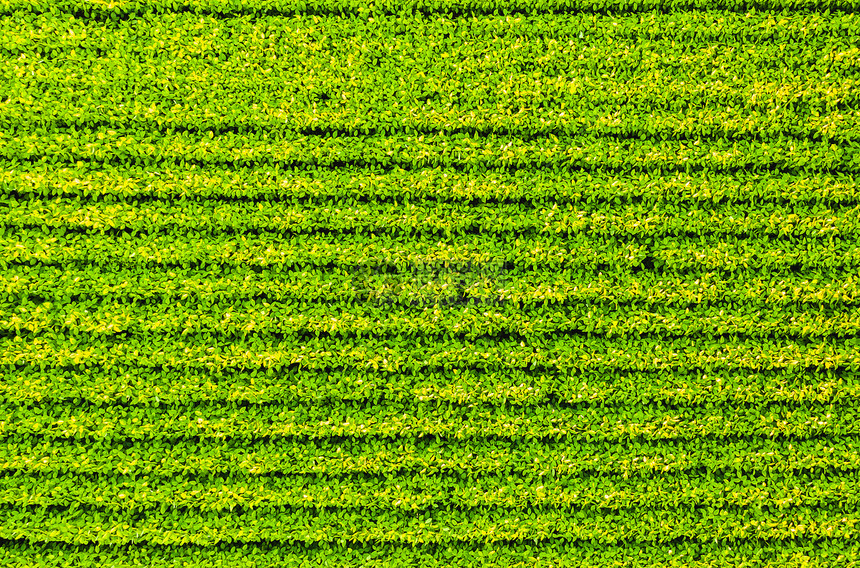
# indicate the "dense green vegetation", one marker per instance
pixel 554 283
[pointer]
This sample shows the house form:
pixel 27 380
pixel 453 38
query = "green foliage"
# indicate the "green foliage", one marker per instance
pixel 522 283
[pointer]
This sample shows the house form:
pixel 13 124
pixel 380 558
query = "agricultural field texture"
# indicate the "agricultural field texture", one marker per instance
pixel 429 283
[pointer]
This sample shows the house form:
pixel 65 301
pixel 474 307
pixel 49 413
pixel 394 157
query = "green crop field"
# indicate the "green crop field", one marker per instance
pixel 429 283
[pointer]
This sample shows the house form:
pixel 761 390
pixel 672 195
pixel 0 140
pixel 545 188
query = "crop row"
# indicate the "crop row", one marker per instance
pixel 603 219
pixel 622 120
pixel 575 116
pixel 177 526
pixel 374 493
pixel 449 421
pixel 472 153
pixel 626 121
pixel 215 34
pixel 119 8
pixel 270 57
pixel 559 354
pixel 735 457
pixel 36 385
pixel 154 90
pixel 470 321
pixel 798 552
pixel 283 48
pixel 337 188
pixel 557 252
pixel 241 287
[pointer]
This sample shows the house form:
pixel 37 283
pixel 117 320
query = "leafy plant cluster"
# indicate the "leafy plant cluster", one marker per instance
pixel 520 283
